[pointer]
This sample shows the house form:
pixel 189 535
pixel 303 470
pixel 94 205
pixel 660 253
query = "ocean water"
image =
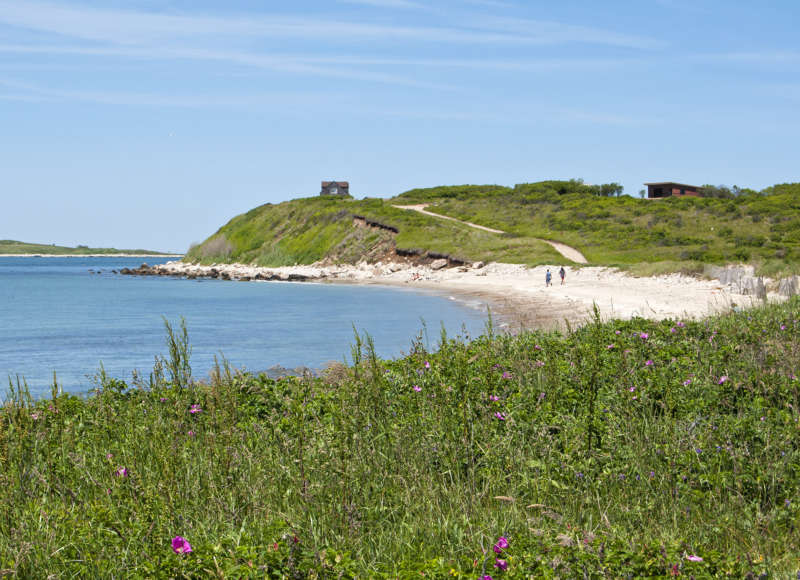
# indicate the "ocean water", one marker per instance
pixel 57 315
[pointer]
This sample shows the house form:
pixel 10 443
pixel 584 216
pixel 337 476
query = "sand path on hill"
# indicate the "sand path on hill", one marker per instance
pixel 568 252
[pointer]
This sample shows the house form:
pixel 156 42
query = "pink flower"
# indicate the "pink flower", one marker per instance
pixel 494 398
pixel 506 375
pixel 648 363
pixel 644 336
pixel 501 564
pixel 109 455
pixel 673 330
pixel 632 389
pixel 693 558
pixel 783 327
pixel 35 416
pixel 486 577
pixel 190 433
pixel 687 382
pixel 722 379
pixel 537 347
pixel 121 472
pixel 500 416
pixel 680 324
pixel 617 332
pixel 163 399
pixel 195 408
pixel 502 544
pixel 427 365
pixel 539 363
pixel 181 545
pixel 610 346
pixel 417 388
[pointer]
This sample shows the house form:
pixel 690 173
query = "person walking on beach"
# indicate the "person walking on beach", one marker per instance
pixel 563 273
pixel 547 278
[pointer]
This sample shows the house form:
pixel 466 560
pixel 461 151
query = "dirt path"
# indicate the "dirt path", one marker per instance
pixel 568 252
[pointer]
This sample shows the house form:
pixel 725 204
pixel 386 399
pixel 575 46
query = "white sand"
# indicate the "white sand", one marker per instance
pixel 518 294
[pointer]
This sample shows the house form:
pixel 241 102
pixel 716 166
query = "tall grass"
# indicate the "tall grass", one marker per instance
pixel 620 449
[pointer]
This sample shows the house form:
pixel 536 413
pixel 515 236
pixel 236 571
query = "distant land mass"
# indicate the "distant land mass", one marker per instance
pixel 14 247
pixel 643 236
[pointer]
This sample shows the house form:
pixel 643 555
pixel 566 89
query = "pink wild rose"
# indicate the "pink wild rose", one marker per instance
pixel 181 545
pixel 693 558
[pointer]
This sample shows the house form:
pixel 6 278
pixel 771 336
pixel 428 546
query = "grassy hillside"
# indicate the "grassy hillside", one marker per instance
pixel 640 234
pixel 304 231
pixel 677 233
pixel 628 449
pixel 14 247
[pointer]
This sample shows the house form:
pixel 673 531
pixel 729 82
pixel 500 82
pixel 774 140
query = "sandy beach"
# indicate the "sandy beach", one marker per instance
pixel 517 295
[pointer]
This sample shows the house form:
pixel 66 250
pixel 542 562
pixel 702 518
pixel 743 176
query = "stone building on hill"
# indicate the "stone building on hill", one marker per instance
pixel 341 188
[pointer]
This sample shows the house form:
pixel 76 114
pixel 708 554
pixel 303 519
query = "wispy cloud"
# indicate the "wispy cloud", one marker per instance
pixel 132 27
pixel 405 4
pixel 264 61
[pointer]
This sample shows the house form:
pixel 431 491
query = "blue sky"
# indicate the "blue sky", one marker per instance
pixel 151 123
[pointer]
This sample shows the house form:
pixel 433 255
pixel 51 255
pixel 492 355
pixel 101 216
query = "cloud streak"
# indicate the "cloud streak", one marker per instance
pixel 136 27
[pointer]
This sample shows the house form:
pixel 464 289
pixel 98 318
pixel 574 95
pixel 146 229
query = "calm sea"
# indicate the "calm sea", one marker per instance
pixel 57 315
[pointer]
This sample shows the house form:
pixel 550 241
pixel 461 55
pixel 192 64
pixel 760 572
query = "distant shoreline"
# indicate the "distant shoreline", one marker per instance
pixel 91 255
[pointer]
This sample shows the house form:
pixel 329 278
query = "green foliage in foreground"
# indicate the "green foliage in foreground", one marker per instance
pixel 622 449
pixel 681 233
pixel 304 231
pixel 14 247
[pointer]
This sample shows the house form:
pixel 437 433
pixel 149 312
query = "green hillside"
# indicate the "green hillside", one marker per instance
pixel 644 235
pixel 15 247
pixel 675 233
pixel 303 231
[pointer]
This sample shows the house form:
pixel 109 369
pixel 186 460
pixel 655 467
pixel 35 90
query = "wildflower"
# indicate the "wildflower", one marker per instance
pixel 687 382
pixel 506 375
pixel 698 450
pixel 163 399
pixel 195 408
pixel 121 472
pixel 417 388
pixel 579 475
pixel 610 346
pixel 494 398
pixel 537 347
pixel 502 544
pixel 644 336
pixel 427 365
pixel 783 327
pixel 763 418
pixel 722 379
pixel 181 545
pixel 648 363
pixel 486 577
pixel 539 363
pixel 541 396
pixel 617 332
pixel 501 564
pixel 190 433
pixel 693 558
pixel 632 389
pixel 109 455
pixel 621 476
pixel 787 502
pixel 500 416
pixel 652 474
pixel 35 416
pixel 673 330
pixel 680 324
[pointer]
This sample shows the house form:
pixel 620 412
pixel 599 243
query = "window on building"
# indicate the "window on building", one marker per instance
pixel 334 190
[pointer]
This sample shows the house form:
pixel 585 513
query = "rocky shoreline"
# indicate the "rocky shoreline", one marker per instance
pixel 517 295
